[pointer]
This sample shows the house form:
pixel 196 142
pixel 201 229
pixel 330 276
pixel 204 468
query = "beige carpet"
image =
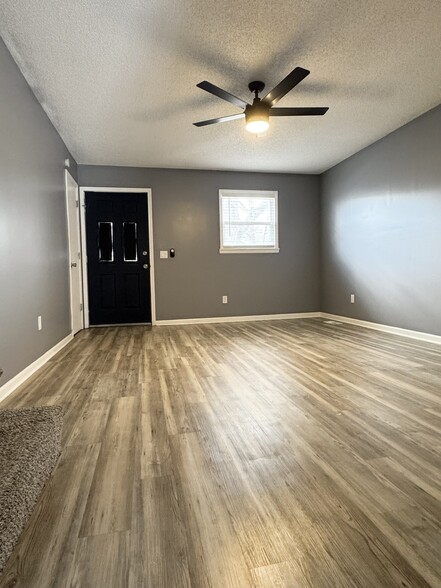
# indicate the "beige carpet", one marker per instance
pixel 30 443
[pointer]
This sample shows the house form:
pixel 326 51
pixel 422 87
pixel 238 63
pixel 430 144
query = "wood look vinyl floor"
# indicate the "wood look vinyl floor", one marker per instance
pixel 294 454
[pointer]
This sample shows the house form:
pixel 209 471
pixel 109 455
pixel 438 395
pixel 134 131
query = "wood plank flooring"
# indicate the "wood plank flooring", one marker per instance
pixel 296 454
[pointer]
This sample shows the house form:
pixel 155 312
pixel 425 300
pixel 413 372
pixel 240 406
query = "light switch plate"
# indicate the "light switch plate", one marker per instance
pixel 163 254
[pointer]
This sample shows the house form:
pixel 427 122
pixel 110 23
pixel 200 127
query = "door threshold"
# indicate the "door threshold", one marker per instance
pixel 121 325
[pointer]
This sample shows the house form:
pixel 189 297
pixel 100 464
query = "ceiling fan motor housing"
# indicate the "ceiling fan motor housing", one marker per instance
pixel 257 111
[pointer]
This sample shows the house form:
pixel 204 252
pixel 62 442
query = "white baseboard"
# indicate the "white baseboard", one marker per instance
pixel 238 319
pixel 28 371
pixel 429 338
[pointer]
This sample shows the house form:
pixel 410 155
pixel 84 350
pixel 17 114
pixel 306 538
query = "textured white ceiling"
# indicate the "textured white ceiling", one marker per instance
pixel 118 77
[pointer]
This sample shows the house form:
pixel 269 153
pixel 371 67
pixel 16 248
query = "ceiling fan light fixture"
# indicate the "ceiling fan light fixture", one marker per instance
pixel 257 126
pixel 257 119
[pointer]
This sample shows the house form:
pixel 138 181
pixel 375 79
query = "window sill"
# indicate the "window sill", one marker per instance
pixel 249 250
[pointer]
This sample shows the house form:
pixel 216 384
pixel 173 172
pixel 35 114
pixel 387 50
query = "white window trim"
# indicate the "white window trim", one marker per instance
pixel 255 194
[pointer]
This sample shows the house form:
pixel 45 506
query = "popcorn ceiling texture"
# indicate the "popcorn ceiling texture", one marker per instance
pixel 118 78
pixel 30 443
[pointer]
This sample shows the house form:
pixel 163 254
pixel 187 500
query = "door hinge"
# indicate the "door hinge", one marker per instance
pixel 81 306
pixel 77 204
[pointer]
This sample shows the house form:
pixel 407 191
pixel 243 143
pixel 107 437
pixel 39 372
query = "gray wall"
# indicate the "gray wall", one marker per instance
pixel 33 240
pixel 186 217
pixel 381 223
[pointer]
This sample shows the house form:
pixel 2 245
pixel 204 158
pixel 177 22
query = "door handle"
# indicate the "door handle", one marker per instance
pixel 145 266
pixel 73 264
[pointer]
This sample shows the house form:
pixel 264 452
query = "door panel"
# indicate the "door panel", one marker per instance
pixel 131 290
pixel 107 291
pixel 73 225
pixel 118 259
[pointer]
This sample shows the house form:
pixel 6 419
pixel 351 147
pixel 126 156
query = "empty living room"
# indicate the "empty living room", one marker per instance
pixel 220 294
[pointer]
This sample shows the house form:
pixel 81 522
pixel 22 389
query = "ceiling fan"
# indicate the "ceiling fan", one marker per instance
pixel 257 114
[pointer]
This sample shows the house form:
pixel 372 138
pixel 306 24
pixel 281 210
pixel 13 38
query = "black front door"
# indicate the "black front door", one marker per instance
pixel 118 258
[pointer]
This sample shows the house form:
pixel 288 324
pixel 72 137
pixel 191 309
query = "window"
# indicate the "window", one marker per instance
pixel 248 221
pixel 130 238
pixel 105 241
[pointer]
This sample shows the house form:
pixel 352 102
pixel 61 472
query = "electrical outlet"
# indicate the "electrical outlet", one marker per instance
pixel 352 298
pixel 39 323
pixel 224 299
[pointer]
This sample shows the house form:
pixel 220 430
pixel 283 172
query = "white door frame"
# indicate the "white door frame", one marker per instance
pixel 148 191
pixel 70 227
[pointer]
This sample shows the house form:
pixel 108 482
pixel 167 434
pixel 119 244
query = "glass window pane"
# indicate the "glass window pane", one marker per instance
pixel 249 221
pixel 105 241
pixel 130 241
pixel 242 209
pixel 249 235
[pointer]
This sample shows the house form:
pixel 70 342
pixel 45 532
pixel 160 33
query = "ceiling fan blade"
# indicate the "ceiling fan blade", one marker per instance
pixel 213 121
pixel 295 77
pixel 212 89
pixel 313 111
